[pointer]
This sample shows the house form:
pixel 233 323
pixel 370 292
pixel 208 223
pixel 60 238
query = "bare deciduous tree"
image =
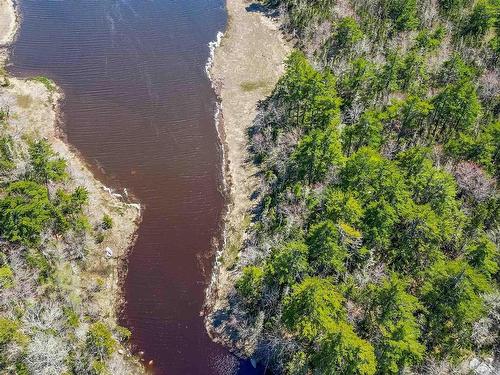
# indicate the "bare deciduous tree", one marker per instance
pixel 472 180
pixel 46 355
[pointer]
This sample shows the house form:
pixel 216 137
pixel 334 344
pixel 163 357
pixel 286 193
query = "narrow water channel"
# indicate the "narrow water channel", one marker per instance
pixel 139 109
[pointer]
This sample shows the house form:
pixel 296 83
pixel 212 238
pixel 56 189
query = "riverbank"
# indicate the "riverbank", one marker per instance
pixel 33 113
pixel 246 67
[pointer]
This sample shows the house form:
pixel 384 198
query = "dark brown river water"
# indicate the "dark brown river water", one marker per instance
pixel 139 108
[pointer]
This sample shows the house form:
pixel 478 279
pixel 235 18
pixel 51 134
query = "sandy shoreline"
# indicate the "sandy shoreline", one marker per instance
pixel 8 28
pixel 34 111
pixel 246 67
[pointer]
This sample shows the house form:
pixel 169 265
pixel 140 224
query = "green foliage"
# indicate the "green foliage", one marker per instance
pixel 482 148
pixel 411 118
pixel 25 212
pixel 45 165
pixel 287 264
pixel 455 70
pixel 6 155
pixel 312 305
pixel 403 13
pixel 380 163
pixel 317 153
pixel 417 239
pixel 123 333
pixel 302 14
pixel 71 316
pixel 378 225
pixel 347 34
pixel 8 329
pixel 456 108
pixel 429 185
pixel 38 261
pixel 249 285
pixel 453 7
pixel 6 277
pixel 107 222
pixel 413 73
pixel 343 207
pixel 298 365
pixel 392 318
pixel 47 82
pixel 373 177
pixel 341 351
pixel 428 40
pixel 326 254
pixel 308 97
pixel 359 81
pixel 100 341
pixel 366 132
pixel 99 368
pixel 483 255
pixel 68 209
pixel 483 16
pixel 451 295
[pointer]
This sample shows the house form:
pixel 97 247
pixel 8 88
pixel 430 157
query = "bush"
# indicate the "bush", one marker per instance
pixel 71 316
pixel 107 222
pixel 6 154
pixel 39 262
pixel 123 333
pixel 6 277
pixel 8 329
pixel 100 341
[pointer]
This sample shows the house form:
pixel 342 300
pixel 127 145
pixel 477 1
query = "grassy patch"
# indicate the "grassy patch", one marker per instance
pixel 24 101
pixel 253 85
pixel 235 242
pixel 47 82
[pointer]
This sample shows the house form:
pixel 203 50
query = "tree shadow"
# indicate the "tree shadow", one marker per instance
pixel 256 8
pixel 259 8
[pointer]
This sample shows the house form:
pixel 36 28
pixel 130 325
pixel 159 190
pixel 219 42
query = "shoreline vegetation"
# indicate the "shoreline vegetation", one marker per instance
pixel 243 72
pixel 362 233
pixel 64 239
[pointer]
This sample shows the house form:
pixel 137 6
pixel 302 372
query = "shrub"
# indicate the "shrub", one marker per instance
pixel 71 316
pixel 38 261
pixel 100 342
pixel 123 333
pixel 6 277
pixel 107 222
pixel 8 329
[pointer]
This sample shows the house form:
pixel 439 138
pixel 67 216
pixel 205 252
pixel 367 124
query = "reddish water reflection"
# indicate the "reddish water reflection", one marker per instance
pixel 139 108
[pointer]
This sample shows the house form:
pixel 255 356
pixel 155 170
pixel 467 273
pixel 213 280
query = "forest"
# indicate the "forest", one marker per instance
pixel 57 315
pixel 374 248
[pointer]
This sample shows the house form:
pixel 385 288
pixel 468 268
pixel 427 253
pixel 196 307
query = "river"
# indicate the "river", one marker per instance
pixel 139 108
